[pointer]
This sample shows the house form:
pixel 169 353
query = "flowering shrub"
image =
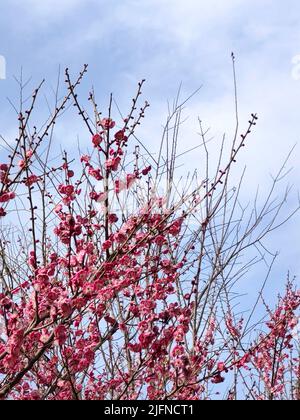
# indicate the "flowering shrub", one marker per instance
pixel 100 300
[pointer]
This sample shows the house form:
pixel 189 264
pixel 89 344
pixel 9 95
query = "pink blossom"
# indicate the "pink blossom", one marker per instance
pixel 32 179
pixel 160 240
pixel 119 186
pixel 95 173
pixel 85 158
pixel 5 197
pixel 221 366
pixel 130 180
pixel 22 164
pixel 120 136
pixel 66 189
pixel 106 245
pixel 65 307
pixel 107 123
pixel 97 140
pixel 113 218
pixel 4 167
pixel 29 153
pixel 60 334
pixel 113 164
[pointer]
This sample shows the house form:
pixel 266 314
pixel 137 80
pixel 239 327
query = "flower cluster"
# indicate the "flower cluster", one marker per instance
pixel 105 303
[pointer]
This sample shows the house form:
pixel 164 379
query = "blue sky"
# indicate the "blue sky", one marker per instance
pixel 169 42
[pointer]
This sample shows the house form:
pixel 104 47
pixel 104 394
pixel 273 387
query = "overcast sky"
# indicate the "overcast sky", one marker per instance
pixel 169 42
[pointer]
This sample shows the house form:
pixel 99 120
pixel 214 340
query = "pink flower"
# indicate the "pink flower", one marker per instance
pixel 120 136
pixel 120 237
pixel 130 180
pixel 4 167
pixel 5 197
pixel 85 158
pixel 98 197
pixel 68 190
pixel 113 164
pixel 166 263
pixel 32 259
pixel 175 228
pixel 32 179
pixel 244 361
pixel 95 173
pixel 119 186
pixel 234 331
pixel 22 164
pixel 4 178
pixel 81 255
pixel 221 366
pixel 160 240
pixel 106 245
pixel 65 307
pixel 29 153
pixel 107 123
pixel 177 351
pixel 135 348
pixel 97 140
pixel 58 208
pixel 60 334
pixel 113 218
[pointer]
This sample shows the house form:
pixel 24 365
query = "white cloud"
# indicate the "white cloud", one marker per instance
pixel 50 9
